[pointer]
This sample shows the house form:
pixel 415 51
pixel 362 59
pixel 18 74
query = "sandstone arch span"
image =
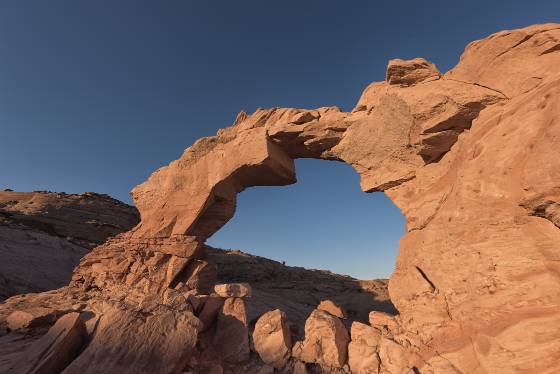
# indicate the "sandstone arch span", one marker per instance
pixel 323 221
pixel 469 156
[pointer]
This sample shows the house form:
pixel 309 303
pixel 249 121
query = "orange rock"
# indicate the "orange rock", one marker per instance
pixel 362 350
pixel 160 342
pixel 233 290
pixel 44 235
pixel 30 318
pixel 232 332
pixel 332 308
pixel 410 72
pixel 210 311
pixel 326 341
pixel 470 159
pixel 382 320
pixel 272 338
pixel 55 350
pixel 300 368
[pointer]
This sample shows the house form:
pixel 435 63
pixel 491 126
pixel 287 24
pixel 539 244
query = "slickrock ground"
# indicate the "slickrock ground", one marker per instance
pixel 43 235
pixel 470 156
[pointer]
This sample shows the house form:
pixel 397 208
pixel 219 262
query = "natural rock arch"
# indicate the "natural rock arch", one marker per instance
pixel 469 158
pixel 308 223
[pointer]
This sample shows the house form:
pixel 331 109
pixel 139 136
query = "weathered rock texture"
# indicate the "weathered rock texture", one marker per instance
pixel 470 158
pixel 272 338
pixel 43 235
pixel 326 341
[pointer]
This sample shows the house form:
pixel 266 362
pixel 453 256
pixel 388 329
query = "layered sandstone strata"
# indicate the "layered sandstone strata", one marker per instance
pixel 43 235
pixel 470 158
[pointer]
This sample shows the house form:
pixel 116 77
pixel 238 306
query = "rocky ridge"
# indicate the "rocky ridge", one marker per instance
pixel 44 234
pixel 468 156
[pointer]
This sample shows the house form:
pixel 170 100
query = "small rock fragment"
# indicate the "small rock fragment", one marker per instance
pixel 233 290
pixel 303 117
pixel 332 308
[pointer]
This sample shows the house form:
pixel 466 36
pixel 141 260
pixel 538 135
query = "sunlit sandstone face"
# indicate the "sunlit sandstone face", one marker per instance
pixel 471 159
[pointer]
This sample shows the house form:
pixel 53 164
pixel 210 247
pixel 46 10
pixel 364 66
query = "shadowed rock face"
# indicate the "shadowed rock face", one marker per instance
pixel 468 156
pixel 43 235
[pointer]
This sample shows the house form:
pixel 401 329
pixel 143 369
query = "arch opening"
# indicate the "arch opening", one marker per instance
pixel 279 235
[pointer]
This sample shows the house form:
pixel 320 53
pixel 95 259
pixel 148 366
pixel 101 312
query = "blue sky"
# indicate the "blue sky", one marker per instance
pixel 95 95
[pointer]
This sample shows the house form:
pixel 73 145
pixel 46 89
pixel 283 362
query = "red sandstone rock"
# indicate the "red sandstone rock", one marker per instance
pixel 382 320
pixel 410 72
pixel 326 341
pixel 210 311
pixel 31 318
pixel 513 62
pixel 55 350
pixel 296 290
pixel 44 234
pixel 232 332
pixel 469 158
pixel 233 290
pixel 332 308
pixel 300 368
pixel 272 338
pixel 161 342
pixel 362 350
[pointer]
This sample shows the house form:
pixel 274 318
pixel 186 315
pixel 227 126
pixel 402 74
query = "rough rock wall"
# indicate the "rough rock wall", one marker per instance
pixel 470 158
pixel 43 235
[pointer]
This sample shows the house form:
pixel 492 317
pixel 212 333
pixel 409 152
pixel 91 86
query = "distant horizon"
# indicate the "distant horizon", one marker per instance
pixel 94 97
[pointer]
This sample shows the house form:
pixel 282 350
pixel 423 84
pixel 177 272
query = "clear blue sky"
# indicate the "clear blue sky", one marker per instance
pixel 95 95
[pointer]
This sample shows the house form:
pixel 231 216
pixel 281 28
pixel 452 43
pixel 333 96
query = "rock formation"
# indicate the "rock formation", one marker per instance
pixel 326 341
pixel 272 338
pixel 468 156
pixel 44 235
pixel 298 291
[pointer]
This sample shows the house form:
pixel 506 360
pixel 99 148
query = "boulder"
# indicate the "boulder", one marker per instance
pixel 272 338
pixel 362 350
pixel 410 72
pixel 232 332
pixel 326 341
pixel 392 356
pixel 332 308
pixel 382 320
pixel 233 290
